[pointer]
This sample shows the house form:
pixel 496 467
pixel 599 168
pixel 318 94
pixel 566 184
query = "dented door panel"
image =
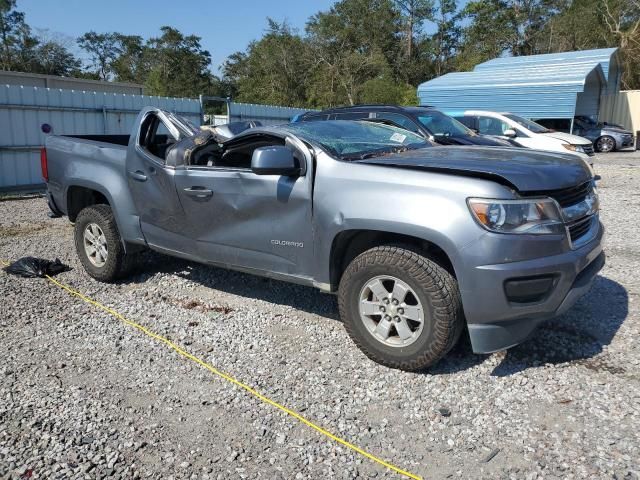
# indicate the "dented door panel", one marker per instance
pixel 248 220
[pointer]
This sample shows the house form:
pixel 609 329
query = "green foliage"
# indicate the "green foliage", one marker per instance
pixel 585 24
pixel 502 26
pixel 103 49
pixel 52 58
pixel 388 91
pixel 177 65
pixel 20 50
pixel 172 64
pixel 274 69
pixel 129 65
pixel 373 51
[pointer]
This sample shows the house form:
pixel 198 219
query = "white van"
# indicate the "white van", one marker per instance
pixel 524 133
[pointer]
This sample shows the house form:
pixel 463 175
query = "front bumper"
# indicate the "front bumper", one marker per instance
pixel 625 141
pixel 495 323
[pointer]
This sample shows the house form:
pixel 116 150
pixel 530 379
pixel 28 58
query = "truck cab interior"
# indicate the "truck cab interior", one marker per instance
pixel 155 137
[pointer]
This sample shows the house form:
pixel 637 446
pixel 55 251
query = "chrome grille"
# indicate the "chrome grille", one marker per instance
pixel 579 229
pixel 571 196
pixel 578 210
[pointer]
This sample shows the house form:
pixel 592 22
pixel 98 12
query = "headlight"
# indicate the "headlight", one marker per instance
pixel 535 216
pixel 574 148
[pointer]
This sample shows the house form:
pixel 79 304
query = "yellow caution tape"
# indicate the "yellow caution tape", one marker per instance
pixel 230 379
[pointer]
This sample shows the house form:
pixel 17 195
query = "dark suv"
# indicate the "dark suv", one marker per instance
pixel 425 121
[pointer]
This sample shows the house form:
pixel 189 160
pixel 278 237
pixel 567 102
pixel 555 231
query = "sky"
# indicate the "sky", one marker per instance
pixel 225 27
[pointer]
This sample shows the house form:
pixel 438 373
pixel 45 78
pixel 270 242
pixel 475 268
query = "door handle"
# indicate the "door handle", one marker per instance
pixel 199 192
pixel 138 175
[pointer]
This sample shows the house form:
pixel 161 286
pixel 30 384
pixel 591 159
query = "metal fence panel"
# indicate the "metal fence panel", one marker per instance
pixel 23 110
pixel 267 114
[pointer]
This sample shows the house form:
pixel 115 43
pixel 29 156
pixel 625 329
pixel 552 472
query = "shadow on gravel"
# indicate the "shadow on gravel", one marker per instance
pixel 578 336
pixel 307 299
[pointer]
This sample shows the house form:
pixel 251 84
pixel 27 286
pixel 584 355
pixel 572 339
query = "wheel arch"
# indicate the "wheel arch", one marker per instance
pixel 79 197
pixel 348 244
pixel 83 194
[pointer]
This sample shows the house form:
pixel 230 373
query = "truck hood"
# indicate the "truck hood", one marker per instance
pixel 572 139
pixel 525 170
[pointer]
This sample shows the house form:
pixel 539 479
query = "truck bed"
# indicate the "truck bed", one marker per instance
pixel 114 139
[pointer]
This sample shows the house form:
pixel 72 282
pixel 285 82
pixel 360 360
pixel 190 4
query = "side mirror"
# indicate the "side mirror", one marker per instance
pixel 510 132
pixel 274 160
pixel 475 130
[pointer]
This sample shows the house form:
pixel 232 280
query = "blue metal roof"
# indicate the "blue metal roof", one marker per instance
pixel 606 57
pixel 536 86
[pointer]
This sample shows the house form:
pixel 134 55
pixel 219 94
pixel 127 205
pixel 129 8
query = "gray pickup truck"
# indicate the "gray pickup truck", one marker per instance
pixel 417 241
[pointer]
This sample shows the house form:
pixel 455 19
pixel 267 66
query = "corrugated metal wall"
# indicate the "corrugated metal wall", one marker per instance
pixel 622 108
pixel 267 114
pixel 606 57
pixel 23 111
pixel 533 92
pixel 588 101
pixel 535 86
pixel 25 79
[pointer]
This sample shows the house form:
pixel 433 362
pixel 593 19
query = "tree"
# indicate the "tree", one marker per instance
pixel 177 65
pixel 273 70
pixel 103 49
pixel 20 50
pixel 587 24
pixel 129 65
pixel 17 43
pixel 414 13
pixel 622 19
pixel 503 26
pixel 52 58
pixel 387 91
pixel 354 41
pixel 446 39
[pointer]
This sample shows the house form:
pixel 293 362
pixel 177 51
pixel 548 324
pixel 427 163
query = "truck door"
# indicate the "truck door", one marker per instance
pixel 246 220
pixel 152 183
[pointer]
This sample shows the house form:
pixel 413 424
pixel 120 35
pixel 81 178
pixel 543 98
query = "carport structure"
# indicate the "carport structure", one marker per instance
pixel 548 86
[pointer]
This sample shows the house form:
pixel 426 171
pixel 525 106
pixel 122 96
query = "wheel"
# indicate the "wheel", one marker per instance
pixel 401 309
pixel 605 144
pixel 99 245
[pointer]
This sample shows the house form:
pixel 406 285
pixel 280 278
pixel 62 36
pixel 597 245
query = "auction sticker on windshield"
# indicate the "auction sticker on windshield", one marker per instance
pixel 398 137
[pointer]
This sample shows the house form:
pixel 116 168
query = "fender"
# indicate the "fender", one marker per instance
pixel 106 176
pixel 325 243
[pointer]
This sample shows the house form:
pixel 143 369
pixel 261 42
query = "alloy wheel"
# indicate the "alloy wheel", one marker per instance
pixel 95 244
pixel 391 311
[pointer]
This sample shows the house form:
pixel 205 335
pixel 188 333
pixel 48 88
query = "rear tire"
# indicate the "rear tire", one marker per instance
pixel 605 144
pixel 99 246
pixel 414 282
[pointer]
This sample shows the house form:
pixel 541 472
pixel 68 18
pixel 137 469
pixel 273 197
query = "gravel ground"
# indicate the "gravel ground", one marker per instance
pixel 84 396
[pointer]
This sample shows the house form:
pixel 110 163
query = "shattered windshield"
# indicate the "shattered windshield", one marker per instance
pixel 356 140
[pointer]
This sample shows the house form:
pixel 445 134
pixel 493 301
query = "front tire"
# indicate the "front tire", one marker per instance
pixel 401 308
pixel 98 244
pixel 605 144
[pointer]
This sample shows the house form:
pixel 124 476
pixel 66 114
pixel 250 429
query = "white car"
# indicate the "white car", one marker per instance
pixel 524 133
